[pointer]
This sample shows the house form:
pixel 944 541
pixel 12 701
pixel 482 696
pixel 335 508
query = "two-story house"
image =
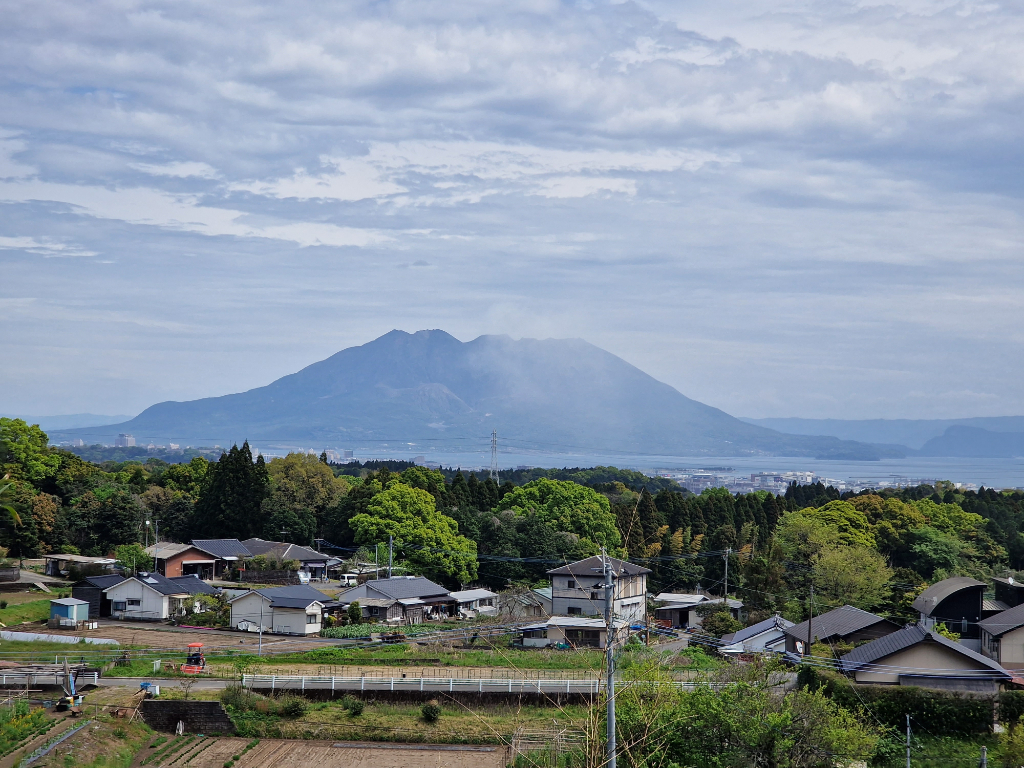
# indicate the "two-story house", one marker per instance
pixel 575 589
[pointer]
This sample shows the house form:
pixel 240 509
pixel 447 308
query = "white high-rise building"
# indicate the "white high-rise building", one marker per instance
pixel 124 441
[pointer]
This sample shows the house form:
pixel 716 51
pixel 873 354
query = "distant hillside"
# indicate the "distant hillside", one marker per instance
pixel 913 433
pixel 555 394
pixel 974 443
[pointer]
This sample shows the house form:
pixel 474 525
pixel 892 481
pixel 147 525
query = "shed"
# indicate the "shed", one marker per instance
pixel 91 589
pixel 69 608
pixel 955 602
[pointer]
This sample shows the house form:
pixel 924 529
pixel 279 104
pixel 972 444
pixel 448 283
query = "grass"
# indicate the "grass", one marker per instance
pixel 947 752
pixel 399 655
pixel 28 611
pixel 379 721
pixel 42 651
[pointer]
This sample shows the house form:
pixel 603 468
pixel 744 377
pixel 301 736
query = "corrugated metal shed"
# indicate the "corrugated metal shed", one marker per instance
pixel 927 601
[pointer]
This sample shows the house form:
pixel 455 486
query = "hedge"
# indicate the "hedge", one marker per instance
pixel 936 711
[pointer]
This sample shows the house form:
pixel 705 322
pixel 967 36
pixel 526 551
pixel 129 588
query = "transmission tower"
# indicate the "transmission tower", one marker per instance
pixel 494 456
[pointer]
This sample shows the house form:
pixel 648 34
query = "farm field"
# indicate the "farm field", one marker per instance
pixel 282 753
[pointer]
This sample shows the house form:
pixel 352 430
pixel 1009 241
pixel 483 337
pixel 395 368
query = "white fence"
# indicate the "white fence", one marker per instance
pixel 46 678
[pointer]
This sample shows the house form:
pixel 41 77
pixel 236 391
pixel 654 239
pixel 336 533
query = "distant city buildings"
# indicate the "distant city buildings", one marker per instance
pixel 124 441
pixel 697 480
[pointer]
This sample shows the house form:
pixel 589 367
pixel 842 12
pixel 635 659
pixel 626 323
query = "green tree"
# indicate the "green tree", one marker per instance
pixel 355 612
pixel 720 623
pixel 851 525
pixel 11 515
pixel 427 539
pixel 229 505
pixel 570 508
pixel 304 485
pixel 133 557
pixel 24 452
pixel 855 576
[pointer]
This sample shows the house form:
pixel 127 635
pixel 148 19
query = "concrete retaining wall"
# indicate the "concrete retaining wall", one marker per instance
pixel 198 716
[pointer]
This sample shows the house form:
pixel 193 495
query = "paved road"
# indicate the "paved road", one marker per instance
pixel 201 683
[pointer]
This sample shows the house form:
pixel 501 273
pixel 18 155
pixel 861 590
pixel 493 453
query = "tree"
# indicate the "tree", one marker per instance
pixel 306 486
pixel 851 525
pixel 426 538
pixel 355 612
pixel 855 576
pixel 570 508
pixel 720 623
pixel 229 505
pixel 24 451
pixel 6 507
pixel 133 557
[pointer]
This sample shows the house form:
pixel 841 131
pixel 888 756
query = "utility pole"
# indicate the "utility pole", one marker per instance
pixel 391 553
pixel 728 551
pixel 494 455
pixel 984 757
pixel 609 620
pixel 908 741
pixel 810 622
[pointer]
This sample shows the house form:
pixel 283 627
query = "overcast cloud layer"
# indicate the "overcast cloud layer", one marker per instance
pixel 781 209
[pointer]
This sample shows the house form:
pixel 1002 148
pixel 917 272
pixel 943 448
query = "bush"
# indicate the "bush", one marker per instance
pixel 293 706
pixel 355 709
pixel 1012 743
pixel 3 604
pixel 431 711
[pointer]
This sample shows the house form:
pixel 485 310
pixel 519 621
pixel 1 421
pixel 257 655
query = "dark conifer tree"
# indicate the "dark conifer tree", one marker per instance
pixel 229 505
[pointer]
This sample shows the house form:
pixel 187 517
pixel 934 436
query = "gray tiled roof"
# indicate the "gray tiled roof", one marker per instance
pixel 102 582
pixel 927 601
pixel 294 602
pixel 298 593
pixel 161 584
pixel 838 622
pixel 284 550
pixel 222 548
pixel 401 587
pixel 587 567
pixel 1004 622
pixel 908 637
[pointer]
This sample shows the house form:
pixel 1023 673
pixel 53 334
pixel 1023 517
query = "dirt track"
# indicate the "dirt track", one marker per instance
pixel 282 753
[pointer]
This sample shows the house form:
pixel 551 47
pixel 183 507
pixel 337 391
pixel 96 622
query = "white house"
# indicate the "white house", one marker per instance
pixel 765 636
pixel 472 602
pixel 575 589
pixel 150 596
pixel 680 609
pixel 291 610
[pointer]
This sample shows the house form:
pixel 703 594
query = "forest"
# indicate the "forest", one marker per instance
pixel 875 549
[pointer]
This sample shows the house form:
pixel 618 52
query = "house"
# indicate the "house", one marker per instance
pixel 574 631
pixel 768 636
pixel 297 609
pixel 68 611
pixel 918 656
pixel 955 602
pixel 152 597
pixel 845 624
pixel 91 590
pixel 406 599
pixel 1002 637
pixel 205 558
pixel 525 603
pixel 575 589
pixel 679 610
pixel 1009 591
pixel 311 562
pixel 60 564
pixel 473 602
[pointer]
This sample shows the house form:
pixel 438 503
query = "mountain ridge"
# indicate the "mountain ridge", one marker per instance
pixel 565 393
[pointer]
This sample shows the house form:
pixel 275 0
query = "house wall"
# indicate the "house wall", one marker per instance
pixel 292 621
pixel 961 612
pixel 1011 649
pixel 924 656
pixel 758 643
pixel 247 608
pixel 99 605
pixel 584 595
pixel 173 565
pixel 153 605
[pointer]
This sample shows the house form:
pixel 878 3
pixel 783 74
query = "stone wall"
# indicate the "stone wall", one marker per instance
pixel 198 716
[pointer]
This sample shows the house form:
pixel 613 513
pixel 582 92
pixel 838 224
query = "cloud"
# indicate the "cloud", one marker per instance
pixel 179 169
pixel 43 246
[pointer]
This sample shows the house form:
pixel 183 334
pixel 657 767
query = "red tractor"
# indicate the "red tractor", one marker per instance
pixel 195 662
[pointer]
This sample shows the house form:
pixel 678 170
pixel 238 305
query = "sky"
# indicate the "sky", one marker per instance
pixel 780 208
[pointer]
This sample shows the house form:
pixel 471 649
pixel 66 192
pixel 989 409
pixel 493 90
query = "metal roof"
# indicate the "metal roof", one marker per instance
pixel 908 637
pixel 194 585
pixel 591 566
pixel 928 600
pixel 292 592
pixel 1004 622
pixel 994 605
pixel 68 601
pixel 222 549
pixel 679 600
pixel 771 623
pixel 468 595
pixel 293 602
pixel 101 582
pixel 157 583
pixel 838 622
pixel 166 549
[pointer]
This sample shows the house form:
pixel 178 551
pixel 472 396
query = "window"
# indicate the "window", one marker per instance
pixel 134 603
pixel 573 611
pixel 570 584
pixel 312 618
pixel 595 595
pixel 118 606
